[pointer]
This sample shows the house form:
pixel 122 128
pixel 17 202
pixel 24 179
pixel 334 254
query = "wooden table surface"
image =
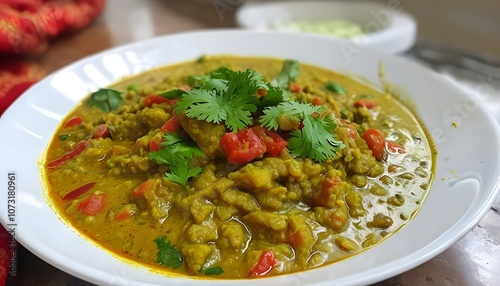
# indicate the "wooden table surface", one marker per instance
pixel 472 26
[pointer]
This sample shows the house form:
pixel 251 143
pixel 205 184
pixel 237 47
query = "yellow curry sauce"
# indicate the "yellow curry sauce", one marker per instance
pixel 278 213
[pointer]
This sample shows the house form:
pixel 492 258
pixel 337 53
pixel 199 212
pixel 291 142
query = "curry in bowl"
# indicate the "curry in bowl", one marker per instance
pixel 238 167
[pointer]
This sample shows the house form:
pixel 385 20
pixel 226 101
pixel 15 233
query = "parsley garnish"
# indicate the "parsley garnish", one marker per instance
pixel 180 172
pixel 290 70
pixel 230 97
pixel 316 139
pixel 167 254
pixel 335 87
pixel 224 96
pixel 105 99
pixel 212 270
pixel 177 155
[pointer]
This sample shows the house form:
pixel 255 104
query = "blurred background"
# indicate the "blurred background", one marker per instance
pixel 459 38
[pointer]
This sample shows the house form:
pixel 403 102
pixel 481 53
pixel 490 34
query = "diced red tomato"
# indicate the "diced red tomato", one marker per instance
pixel 295 88
pixel 154 144
pixel 375 142
pixel 92 205
pixel 317 101
pixel 322 198
pixel 294 239
pixel 273 141
pixel 73 121
pixel 368 103
pixel 241 147
pixel 140 190
pixel 126 212
pixel 261 92
pixel 156 99
pixel 266 263
pixel 80 146
pixel 171 125
pixel 394 148
pixel 101 131
pixel 79 191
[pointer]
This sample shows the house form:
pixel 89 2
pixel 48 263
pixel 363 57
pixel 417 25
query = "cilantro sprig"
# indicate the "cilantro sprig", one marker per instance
pixel 315 140
pixel 105 99
pixel 167 254
pixel 223 96
pixel 177 154
pixel 231 97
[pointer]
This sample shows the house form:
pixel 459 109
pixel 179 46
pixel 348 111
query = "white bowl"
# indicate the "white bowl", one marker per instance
pixel 467 172
pixel 386 27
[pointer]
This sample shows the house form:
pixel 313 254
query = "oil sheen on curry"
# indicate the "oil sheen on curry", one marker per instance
pixel 235 168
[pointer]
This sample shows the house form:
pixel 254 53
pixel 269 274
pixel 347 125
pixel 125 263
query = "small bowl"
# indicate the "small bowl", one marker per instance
pixel 385 27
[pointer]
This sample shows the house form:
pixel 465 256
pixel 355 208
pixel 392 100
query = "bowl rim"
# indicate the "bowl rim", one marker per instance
pixel 428 253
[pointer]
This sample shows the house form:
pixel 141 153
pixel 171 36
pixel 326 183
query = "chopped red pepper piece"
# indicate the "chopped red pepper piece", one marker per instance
pixel 171 125
pixel 242 147
pixel 375 142
pixel 295 88
pixel 140 190
pixel 101 131
pixel 261 92
pixel 156 99
pixel 126 212
pixel 73 121
pixel 154 144
pixel 366 102
pixel 266 263
pixel 92 205
pixel 317 101
pixel 79 191
pixel 394 148
pixel 80 146
pixel 273 141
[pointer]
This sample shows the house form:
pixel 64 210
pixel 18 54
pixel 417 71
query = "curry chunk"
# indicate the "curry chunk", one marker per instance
pixel 266 220
pixel 206 134
pixel 233 235
pixel 241 200
pixel 201 234
pixel 252 178
pixel 195 255
pixel 299 235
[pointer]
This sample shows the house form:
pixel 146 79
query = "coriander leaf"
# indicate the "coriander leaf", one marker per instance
pixel 105 99
pixel 213 270
pixel 180 172
pixel 194 80
pixel 167 254
pixel 289 71
pixel 204 105
pixel 202 59
pixel 315 140
pixel 226 96
pixel 175 145
pixel 270 116
pixel 161 157
pixel 133 87
pixel 335 87
pixel 177 155
pixel 171 138
pixel 173 94
pixel 64 137
pixel 273 97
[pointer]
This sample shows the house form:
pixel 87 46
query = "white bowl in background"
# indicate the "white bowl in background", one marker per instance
pixel 385 27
